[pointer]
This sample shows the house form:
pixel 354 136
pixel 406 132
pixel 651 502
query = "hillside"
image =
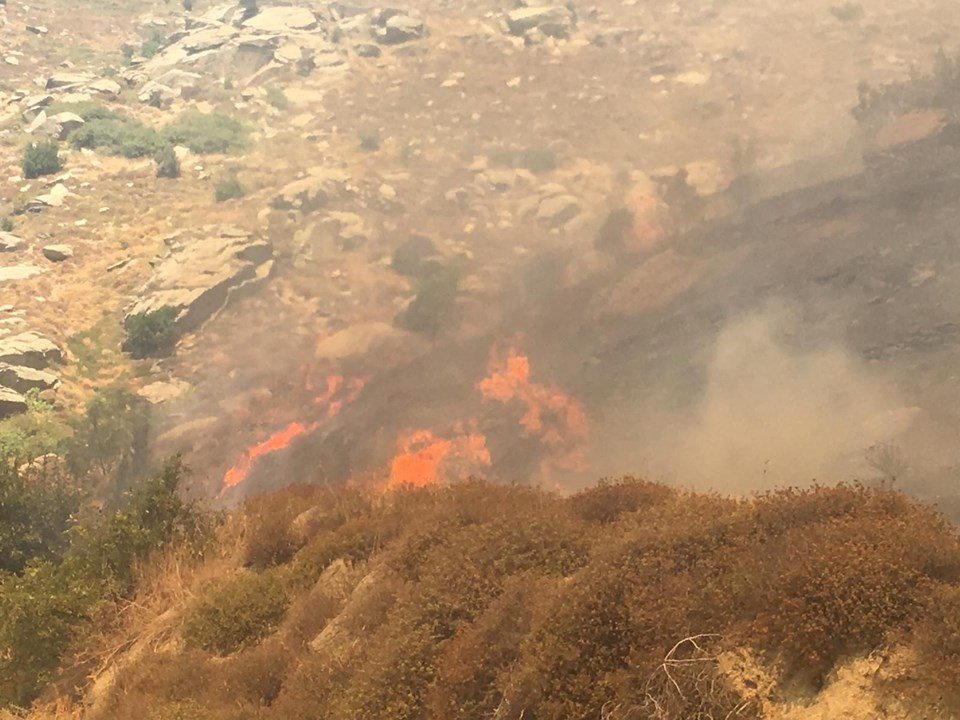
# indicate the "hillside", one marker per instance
pixel 626 600
pixel 280 280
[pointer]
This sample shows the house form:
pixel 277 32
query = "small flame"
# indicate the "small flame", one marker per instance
pixel 425 459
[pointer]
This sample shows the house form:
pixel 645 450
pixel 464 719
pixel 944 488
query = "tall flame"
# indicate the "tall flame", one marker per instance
pixel 548 413
pixel 425 459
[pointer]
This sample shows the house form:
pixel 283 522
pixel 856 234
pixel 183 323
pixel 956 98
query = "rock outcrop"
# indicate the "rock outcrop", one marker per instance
pixel 199 276
pixel 11 403
pixel 24 359
pixel 312 192
pixel 30 349
pixel 551 20
pixel 10 242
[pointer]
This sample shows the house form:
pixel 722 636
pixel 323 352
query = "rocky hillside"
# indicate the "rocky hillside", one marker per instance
pixel 252 206
pixel 375 252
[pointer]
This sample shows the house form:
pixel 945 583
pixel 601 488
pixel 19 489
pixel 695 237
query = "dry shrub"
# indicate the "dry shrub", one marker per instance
pixel 609 499
pixel 505 602
pixel 256 676
pixel 270 537
pixel 471 666
pixel 937 641
pixel 159 679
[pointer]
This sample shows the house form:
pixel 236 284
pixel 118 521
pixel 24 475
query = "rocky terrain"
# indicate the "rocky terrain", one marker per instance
pixel 499 135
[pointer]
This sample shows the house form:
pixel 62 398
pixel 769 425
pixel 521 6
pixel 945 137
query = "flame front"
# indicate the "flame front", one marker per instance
pixel 279 440
pixel 425 459
pixel 337 393
pixel 548 413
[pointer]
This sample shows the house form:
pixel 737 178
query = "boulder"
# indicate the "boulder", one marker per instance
pixel 278 20
pixel 23 379
pixel 53 198
pixel 9 242
pixel 11 403
pixel 105 87
pixel 399 29
pixel 59 81
pixel 57 253
pixel 29 349
pixel 551 20
pixel 312 192
pixel 55 126
pixel 558 210
pixel 18 272
pixel 33 105
pixel 199 277
pixel 157 94
pixel 367 50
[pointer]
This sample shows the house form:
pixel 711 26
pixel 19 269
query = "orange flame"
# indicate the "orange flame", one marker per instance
pixel 425 459
pixel 555 417
pixel 338 393
pixel 279 440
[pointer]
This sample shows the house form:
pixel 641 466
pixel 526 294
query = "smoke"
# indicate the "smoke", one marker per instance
pixel 781 405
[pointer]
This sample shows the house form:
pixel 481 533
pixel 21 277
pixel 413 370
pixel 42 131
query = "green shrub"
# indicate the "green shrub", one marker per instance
pixel 6 224
pixel 236 614
pixel 35 515
pixel 41 158
pixel 41 609
pixel 152 333
pixel 152 45
pixel 207 132
pixel 187 5
pixel 434 305
pixel 117 134
pixel 276 98
pixel 126 52
pixel 229 188
pixel 38 613
pixel 369 140
pixel 168 165
pixel 148 517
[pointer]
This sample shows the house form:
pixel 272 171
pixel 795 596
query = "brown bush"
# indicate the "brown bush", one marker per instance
pixel 609 499
pixel 270 537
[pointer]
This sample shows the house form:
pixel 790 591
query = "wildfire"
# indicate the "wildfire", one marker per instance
pixel 425 459
pixel 279 440
pixel 555 417
pixel 337 393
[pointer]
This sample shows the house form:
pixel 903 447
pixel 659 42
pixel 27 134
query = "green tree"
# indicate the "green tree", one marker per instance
pixel 110 440
pixel 35 514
